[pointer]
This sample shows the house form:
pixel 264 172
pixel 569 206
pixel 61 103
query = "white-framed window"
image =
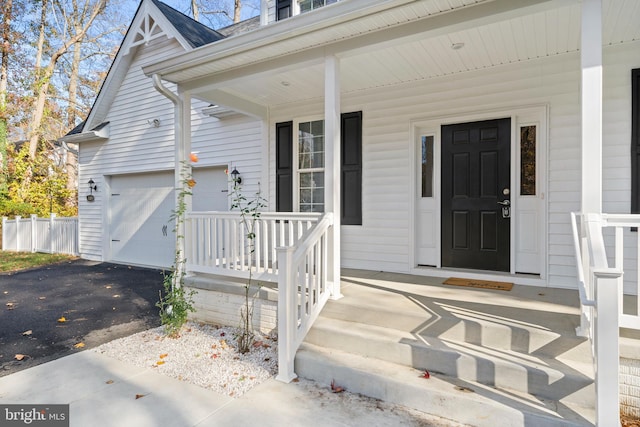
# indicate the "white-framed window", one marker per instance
pixel 309 5
pixel 309 164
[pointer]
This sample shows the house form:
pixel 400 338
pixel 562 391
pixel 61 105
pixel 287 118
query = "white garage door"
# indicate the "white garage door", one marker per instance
pixel 141 206
pixel 140 230
pixel 211 192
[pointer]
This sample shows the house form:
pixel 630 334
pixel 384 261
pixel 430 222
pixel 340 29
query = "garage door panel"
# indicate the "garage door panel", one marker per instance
pixel 141 230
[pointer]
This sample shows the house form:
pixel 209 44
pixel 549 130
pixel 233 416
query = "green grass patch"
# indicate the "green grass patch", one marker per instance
pixel 14 261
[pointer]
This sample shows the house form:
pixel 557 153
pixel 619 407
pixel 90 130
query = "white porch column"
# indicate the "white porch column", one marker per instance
pixel 332 166
pixel 591 90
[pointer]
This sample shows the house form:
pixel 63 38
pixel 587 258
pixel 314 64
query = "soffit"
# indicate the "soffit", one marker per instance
pixel 527 35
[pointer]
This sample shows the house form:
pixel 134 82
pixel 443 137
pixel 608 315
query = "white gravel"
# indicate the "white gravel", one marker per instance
pixel 204 355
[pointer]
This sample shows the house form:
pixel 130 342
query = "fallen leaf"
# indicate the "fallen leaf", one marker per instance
pixel 160 362
pixel 222 334
pixel 116 296
pixel 62 320
pixel 11 305
pixel 109 382
pixel 162 356
pixel 426 375
pixel 295 380
pixel 138 396
pixel 336 388
pixel 6 292
pixel 19 357
pixel 214 356
pixel 108 286
pixel 41 298
pixel 29 332
pixel 78 345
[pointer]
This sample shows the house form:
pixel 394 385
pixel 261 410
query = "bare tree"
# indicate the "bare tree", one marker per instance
pixel 231 11
pixel 86 16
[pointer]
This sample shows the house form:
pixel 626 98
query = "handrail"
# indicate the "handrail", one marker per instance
pixel 218 242
pixel 302 291
pixel 584 300
pixel 601 316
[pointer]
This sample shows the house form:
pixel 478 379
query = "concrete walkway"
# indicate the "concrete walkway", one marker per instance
pixel 104 392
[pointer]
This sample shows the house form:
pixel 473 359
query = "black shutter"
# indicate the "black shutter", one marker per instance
pixel 284 167
pixel 635 140
pixel 283 9
pixel 351 168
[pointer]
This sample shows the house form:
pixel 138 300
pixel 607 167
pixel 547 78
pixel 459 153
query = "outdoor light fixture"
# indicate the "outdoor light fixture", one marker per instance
pixel 92 187
pixel 235 176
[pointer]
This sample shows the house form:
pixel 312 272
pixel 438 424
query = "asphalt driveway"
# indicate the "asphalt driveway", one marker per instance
pixel 98 301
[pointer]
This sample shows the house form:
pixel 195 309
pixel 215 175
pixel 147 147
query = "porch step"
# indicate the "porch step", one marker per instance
pixel 470 326
pixel 450 398
pixel 505 369
pixel 518 350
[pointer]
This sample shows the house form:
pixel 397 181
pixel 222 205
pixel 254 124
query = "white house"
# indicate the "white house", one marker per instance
pixel 446 137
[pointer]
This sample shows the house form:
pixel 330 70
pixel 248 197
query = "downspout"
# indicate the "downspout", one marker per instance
pixel 179 160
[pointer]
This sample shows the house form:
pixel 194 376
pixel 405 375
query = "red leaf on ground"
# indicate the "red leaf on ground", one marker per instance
pixel 426 375
pixel 336 388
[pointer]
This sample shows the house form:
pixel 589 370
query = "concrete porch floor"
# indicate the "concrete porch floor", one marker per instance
pixel 549 309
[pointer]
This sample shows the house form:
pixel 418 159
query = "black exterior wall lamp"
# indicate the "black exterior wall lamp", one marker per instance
pixel 92 187
pixel 235 176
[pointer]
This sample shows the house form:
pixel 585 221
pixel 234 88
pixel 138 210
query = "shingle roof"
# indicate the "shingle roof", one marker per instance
pixel 241 27
pixel 195 33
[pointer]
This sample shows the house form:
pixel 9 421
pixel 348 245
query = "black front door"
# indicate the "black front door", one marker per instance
pixel 475 195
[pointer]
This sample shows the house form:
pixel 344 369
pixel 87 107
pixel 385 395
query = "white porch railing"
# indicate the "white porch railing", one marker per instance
pixel 303 291
pixel 216 242
pixel 50 235
pixel 601 298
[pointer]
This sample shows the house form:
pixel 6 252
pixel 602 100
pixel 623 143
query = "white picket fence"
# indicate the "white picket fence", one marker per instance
pixel 49 235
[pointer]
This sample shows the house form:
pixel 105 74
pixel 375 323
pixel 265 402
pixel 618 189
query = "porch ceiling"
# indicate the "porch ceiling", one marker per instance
pixel 413 41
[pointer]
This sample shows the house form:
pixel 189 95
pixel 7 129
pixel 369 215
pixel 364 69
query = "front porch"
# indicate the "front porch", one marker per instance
pixel 512 356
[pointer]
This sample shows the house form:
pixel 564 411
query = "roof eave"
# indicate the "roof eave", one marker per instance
pixel 323 18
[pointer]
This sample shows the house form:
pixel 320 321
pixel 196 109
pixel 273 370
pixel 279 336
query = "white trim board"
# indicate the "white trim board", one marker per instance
pixel 532 257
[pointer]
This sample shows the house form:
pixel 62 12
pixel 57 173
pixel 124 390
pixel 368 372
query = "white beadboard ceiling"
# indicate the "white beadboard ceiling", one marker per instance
pixel 551 28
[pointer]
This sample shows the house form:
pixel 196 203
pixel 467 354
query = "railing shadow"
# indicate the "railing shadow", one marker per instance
pixel 469 359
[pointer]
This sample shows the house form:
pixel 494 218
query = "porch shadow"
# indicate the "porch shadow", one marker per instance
pixel 469 341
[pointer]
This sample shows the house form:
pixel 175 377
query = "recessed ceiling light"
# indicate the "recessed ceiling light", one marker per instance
pixel 456 46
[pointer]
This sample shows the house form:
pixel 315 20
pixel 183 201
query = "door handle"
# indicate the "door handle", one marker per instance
pixel 506 208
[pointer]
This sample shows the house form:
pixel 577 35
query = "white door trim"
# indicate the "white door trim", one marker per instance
pixel 520 115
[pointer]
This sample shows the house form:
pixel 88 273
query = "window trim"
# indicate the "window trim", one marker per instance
pixel 635 141
pixel 296 159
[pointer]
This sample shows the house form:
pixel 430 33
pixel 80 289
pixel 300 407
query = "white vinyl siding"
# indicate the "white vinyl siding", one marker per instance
pixel 135 146
pixel 382 242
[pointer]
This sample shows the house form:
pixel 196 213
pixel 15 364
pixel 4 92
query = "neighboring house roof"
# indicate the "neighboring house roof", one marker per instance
pixel 241 27
pixel 194 32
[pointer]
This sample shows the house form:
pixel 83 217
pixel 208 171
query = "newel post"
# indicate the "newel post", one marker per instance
pixel 608 285
pixel 287 321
